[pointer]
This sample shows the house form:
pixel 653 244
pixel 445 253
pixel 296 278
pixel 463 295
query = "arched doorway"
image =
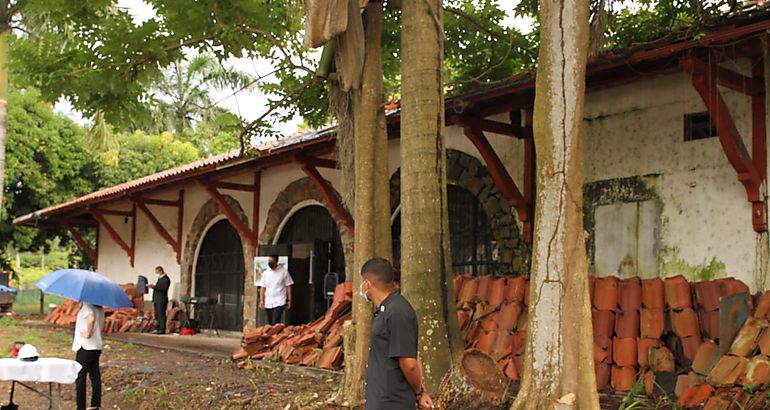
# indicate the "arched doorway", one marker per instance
pixel 471 238
pixel 313 237
pixel 219 274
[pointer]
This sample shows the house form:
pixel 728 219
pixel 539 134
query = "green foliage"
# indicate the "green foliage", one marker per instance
pixel 210 141
pixel 182 99
pixel 112 64
pixel 109 63
pixel 46 163
pixel 655 19
pixel 478 48
pixel 143 154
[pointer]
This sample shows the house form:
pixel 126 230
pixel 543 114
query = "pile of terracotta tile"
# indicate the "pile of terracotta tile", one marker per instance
pixel 734 372
pixel 317 344
pixel 116 320
pixel 653 329
pixel 65 314
pixel 128 320
pixel 492 313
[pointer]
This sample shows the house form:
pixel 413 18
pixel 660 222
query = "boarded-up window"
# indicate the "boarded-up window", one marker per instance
pixel 626 239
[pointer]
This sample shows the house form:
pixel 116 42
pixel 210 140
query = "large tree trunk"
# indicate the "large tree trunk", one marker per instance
pixel 426 268
pixel 559 361
pixel 372 195
pixel 474 383
pixel 3 110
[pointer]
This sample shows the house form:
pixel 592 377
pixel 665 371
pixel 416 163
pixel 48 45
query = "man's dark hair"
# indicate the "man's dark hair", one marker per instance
pixel 274 257
pixel 379 269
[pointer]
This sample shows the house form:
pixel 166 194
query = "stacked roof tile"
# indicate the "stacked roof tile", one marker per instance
pixel 317 344
pixel 668 334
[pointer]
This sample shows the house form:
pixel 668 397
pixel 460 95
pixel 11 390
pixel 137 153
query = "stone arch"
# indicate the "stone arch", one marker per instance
pixel 468 172
pixel 286 203
pixel 207 214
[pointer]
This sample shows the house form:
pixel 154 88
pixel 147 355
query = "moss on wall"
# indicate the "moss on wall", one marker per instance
pixel 671 264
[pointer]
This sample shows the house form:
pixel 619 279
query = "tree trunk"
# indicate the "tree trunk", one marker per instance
pixel 474 383
pixel 372 194
pixel 3 110
pixel 426 276
pixel 559 360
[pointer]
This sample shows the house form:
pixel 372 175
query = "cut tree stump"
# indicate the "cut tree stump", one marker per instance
pixel 475 383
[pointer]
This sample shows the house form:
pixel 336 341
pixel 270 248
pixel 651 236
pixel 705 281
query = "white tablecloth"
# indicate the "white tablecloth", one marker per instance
pixel 46 370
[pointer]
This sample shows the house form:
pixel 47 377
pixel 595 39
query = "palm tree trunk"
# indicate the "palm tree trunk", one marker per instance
pixel 559 361
pixel 426 261
pixel 372 194
pixel 3 110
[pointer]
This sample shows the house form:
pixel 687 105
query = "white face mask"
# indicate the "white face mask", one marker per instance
pixel 362 293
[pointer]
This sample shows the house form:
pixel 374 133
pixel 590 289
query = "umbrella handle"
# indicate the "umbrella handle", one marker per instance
pixel 13 387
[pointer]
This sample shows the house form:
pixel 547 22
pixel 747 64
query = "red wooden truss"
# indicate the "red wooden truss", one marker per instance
pixel 751 168
pixel 249 234
pixel 330 197
pixel 99 214
pixel 142 204
pixel 474 128
pixel 91 251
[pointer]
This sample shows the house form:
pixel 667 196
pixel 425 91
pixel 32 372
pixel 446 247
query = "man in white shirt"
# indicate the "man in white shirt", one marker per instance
pixel 87 342
pixel 275 290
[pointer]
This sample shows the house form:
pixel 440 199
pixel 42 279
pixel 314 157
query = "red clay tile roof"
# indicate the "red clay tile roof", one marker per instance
pixel 212 163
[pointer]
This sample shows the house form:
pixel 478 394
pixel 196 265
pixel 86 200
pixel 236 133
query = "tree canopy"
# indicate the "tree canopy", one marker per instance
pixel 144 154
pixel 47 163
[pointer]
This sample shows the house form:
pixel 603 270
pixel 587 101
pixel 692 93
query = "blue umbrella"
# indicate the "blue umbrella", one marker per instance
pixel 85 286
pixel 4 288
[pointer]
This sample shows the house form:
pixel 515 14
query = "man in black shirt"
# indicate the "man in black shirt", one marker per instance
pixel 393 374
pixel 160 298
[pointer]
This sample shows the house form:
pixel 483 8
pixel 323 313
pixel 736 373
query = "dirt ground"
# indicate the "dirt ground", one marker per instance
pixel 137 377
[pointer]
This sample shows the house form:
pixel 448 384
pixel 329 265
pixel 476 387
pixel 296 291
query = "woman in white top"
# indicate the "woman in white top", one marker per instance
pixel 87 343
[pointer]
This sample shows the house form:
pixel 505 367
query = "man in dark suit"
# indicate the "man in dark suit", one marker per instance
pixel 160 299
pixel 393 373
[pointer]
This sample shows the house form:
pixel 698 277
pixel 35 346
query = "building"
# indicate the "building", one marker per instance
pixel 675 167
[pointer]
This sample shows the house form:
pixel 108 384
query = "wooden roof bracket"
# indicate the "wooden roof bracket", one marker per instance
pixel 99 215
pixel 92 252
pixel 524 207
pixel 330 197
pixel 250 235
pixel 751 169
pixel 176 243
pixel 483 124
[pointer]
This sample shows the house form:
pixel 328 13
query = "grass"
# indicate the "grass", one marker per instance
pixel 28 302
pixel 49 344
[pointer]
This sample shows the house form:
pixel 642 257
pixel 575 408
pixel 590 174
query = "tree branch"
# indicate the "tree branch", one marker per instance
pixel 459 13
pixel 274 105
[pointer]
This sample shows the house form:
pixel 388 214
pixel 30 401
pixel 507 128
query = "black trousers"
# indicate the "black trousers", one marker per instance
pixel 160 316
pixel 89 359
pixel 274 314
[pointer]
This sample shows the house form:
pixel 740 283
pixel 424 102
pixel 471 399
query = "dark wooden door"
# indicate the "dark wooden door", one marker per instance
pixel 219 275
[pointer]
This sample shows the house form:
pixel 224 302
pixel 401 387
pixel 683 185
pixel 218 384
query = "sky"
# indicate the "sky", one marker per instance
pixel 248 104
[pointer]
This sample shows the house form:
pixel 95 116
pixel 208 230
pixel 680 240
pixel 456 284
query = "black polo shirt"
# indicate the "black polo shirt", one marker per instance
pixel 394 335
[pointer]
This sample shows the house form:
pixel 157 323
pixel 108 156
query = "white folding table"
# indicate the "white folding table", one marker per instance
pixel 49 370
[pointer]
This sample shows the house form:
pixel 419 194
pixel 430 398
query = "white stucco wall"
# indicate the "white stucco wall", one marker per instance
pixel 705 220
